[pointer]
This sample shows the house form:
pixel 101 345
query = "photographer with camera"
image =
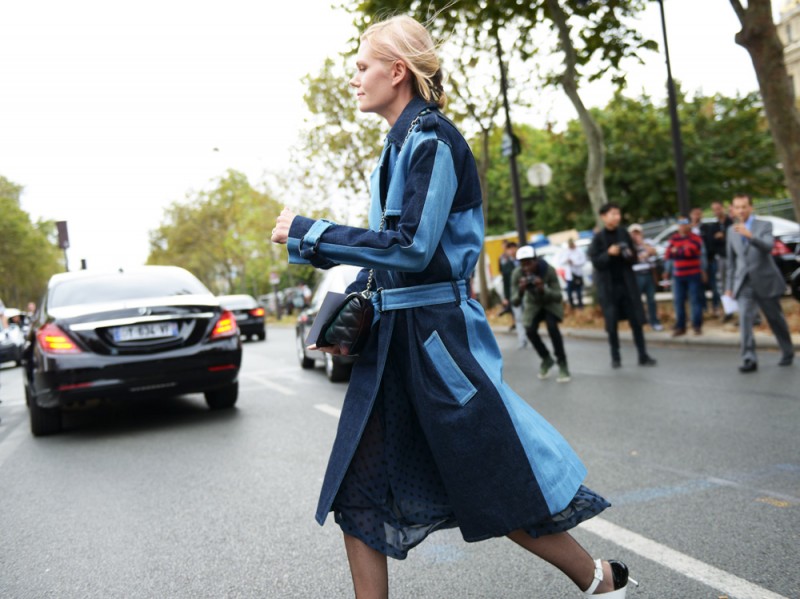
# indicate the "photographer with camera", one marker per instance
pixel 534 286
pixel 613 256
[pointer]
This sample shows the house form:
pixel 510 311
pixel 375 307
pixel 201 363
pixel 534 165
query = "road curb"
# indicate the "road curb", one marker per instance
pixel 665 338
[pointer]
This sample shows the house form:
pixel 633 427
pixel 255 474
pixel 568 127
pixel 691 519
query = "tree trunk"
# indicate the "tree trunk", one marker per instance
pixel 483 169
pixel 595 170
pixel 759 37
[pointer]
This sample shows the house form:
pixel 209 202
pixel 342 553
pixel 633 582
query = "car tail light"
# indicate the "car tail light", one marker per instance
pixel 53 340
pixel 225 326
pixel 780 248
pixel 257 312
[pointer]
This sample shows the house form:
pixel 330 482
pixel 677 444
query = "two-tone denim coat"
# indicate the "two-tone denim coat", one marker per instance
pixel 502 465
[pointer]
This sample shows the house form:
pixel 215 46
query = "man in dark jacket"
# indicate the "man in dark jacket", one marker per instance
pixel 612 256
pixel 535 286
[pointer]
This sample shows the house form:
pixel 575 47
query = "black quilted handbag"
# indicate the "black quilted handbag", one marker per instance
pixel 349 326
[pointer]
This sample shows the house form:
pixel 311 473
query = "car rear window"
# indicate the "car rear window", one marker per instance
pixel 238 302
pixel 124 286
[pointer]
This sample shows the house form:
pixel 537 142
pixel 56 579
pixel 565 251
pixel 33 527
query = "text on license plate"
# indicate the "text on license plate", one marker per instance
pixel 153 330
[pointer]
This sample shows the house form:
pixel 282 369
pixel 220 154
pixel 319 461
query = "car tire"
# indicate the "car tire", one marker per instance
pixel 223 399
pixel 262 336
pixel 306 363
pixel 336 371
pixel 44 421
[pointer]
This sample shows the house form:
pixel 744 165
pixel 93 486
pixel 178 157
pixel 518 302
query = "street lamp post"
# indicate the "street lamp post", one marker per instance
pixel 511 146
pixel 677 144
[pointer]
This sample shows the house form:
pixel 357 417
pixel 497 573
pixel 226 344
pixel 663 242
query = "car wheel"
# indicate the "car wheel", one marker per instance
pixel 262 336
pixel 44 421
pixel 335 370
pixel 305 361
pixel 221 399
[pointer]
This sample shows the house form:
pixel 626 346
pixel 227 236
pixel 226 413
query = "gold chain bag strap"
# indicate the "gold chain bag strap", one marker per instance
pixel 349 326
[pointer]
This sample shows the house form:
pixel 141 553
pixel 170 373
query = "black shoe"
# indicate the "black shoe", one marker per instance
pixel 647 361
pixel 616 363
pixel 786 361
pixel 749 366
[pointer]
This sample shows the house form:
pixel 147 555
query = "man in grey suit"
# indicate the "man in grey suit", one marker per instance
pixel 754 280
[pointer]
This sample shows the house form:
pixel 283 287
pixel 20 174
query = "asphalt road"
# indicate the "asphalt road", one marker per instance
pixel 166 499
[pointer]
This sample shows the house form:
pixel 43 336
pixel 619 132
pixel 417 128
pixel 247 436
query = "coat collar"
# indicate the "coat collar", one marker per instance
pixel 399 131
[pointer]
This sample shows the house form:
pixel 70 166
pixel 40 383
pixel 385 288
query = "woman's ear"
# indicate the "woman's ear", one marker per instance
pixel 399 72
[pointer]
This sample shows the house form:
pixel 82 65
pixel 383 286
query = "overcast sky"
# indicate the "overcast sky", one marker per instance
pixel 110 111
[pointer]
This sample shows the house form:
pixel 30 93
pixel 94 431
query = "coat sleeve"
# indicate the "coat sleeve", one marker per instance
pixel 597 254
pixel 430 187
pixel 763 239
pixel 552 288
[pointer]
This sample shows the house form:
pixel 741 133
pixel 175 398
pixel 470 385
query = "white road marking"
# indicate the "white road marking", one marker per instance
pixel 732 586
pixel 269 384
pixel 10 444
pixel 329 410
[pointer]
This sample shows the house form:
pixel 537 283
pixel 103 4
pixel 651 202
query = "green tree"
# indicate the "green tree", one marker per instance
pixel 29 254
pixel 728 148
pixel 222 235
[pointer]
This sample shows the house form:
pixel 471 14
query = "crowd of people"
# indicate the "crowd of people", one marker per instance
pixel 727 258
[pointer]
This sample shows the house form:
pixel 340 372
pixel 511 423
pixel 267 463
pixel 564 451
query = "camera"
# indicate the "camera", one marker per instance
pixel 625 250
pixel 531 281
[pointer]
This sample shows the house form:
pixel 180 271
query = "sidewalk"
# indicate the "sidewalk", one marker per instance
pixel 715 334
pixel 711 337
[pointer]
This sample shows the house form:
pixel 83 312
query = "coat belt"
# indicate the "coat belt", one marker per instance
pixel 432 294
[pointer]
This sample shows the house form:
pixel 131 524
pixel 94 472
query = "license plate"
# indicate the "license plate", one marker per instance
pixel 138 332
pixel 241 315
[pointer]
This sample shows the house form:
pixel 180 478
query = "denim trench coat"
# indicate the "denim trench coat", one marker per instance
pixel 502 465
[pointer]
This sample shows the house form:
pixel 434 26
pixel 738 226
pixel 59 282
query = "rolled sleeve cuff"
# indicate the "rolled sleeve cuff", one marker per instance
pixel 309 244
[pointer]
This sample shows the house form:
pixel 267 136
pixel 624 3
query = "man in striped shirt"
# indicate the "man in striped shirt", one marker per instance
pixel 685 252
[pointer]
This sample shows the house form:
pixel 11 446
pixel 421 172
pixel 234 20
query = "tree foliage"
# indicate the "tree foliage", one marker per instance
pixel 222 235
pixel 727 144
pixel 29 254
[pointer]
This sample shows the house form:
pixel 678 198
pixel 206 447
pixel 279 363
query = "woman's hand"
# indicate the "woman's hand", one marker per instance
pixel 280 234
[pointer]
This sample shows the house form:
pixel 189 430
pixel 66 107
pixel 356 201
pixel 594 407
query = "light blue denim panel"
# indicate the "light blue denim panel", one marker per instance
pixel 447 368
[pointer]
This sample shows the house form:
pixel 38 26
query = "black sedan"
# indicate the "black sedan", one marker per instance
pixel 249 314
pixel 153 330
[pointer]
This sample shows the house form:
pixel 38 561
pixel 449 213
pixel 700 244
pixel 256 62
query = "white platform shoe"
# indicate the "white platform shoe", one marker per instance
pixel 619 572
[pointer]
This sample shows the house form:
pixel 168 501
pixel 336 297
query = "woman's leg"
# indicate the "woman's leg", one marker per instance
pixel 567 555
pixel 368 569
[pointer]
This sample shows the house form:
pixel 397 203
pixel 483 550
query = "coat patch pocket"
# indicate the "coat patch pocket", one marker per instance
pixel 447 368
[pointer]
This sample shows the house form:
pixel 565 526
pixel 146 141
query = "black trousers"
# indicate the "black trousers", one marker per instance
pixel 551 320
pixel 623 306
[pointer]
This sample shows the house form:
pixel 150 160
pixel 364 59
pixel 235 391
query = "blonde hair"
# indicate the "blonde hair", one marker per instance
pixel 403 38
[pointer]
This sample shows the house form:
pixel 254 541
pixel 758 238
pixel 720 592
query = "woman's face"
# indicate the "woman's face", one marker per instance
pixel 373 82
